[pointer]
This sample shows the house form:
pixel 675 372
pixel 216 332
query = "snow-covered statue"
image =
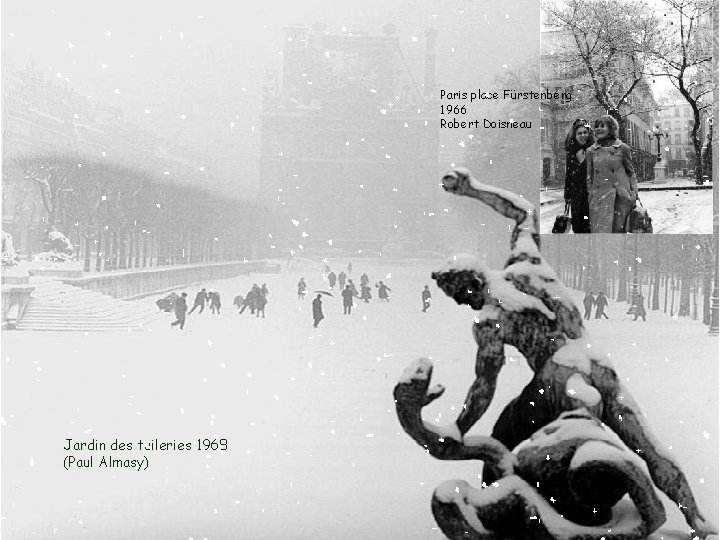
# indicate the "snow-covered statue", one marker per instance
pixel 58 247
pixel 576 432
pixel 9 255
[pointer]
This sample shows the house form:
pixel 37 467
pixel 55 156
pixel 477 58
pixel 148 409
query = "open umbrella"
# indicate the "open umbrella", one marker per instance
pixel 325 293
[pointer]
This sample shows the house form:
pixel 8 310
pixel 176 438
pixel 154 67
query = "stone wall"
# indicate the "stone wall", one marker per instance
pixel 136 283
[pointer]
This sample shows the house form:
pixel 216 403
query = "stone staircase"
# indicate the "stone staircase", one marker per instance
pixel 57 306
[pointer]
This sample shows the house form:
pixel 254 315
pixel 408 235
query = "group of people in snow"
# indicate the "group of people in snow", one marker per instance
pixel 203 297
pixel 600 302
pixel 600 182
pixel 256 299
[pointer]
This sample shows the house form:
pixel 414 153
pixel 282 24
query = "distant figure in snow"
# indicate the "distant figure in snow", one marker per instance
pixel 640 307
pixel 301 288
pixel 383 291
pixel 347 296
pixel 200 299
pixel 601 302
pixel 342 278
pixel 239 301
pixel 317 310
pixel 349 267
pixel 588 302
pixel 332 279
pixel 261 301
pixel 214 302
pixel 426 296
pixel 180 311
pixel 364 280
pixel 365 294
pixel 353 288
pixel 251 299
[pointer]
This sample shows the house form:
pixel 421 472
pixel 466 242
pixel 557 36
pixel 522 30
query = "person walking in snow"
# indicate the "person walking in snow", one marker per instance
pixel 239 301
pixel 426 296
pixel 347 296
pixel 364 280
pixel 214 302
pixel 365 293
pixel 640 307
pixel 332 279
pixel 251 300
pixel 601 303
pixel 588 302
pixel 353 288
pixel 301 288
pixel 317 310
pixel 200 299
pixel 349 267
pixel 261 301
pixel 180 307
pixel 383 291
pixel 342 278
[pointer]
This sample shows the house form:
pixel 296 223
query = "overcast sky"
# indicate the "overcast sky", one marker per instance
pixel 206 60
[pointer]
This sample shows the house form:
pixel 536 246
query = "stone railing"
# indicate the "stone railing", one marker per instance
pixel 137 283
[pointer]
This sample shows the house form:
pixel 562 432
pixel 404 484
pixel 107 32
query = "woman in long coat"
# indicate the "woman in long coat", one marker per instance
pixel 578 139
pixel 612 185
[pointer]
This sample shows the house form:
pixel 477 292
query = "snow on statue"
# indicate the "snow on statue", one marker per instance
pixel 576 431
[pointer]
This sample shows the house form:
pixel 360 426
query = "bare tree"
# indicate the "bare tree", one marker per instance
pixel 684 56
pixel 604 46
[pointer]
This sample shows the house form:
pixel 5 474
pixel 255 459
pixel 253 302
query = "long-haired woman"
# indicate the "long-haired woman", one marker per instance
pixel 578 140
pixel 611 180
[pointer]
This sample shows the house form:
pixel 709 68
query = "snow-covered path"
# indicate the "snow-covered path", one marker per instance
pixel 315 449
pixel 672 211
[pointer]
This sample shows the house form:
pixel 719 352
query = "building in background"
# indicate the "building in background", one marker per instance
pixel 349 141
pixel 44 118
pixel 560 74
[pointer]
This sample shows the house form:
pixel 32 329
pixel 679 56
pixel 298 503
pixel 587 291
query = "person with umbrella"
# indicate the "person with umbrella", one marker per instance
pixel 317 310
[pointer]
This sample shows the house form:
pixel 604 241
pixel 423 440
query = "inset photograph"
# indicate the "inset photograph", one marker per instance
pixel 627 117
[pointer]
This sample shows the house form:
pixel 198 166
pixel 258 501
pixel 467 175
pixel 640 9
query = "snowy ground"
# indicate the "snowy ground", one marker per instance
pixel 315 449
pixel 672 211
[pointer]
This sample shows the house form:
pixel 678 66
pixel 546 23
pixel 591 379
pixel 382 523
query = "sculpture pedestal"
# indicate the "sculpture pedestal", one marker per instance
pixel 660 171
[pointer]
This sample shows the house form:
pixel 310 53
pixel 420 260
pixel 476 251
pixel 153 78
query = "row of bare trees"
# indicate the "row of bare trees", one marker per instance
pixel 119 217
pixel 618 45
pixel 675 273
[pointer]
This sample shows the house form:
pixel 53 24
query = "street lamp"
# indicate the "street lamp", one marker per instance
pixel 657 133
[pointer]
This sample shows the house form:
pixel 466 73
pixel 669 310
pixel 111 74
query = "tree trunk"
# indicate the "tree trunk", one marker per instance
pixel 622 284
pixel 672 297
pixel 707 293
pixel 684 309
pixel 656 291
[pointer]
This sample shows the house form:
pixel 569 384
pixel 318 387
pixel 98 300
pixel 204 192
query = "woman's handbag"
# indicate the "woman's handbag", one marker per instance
pixel 562 221
pixel 638 220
